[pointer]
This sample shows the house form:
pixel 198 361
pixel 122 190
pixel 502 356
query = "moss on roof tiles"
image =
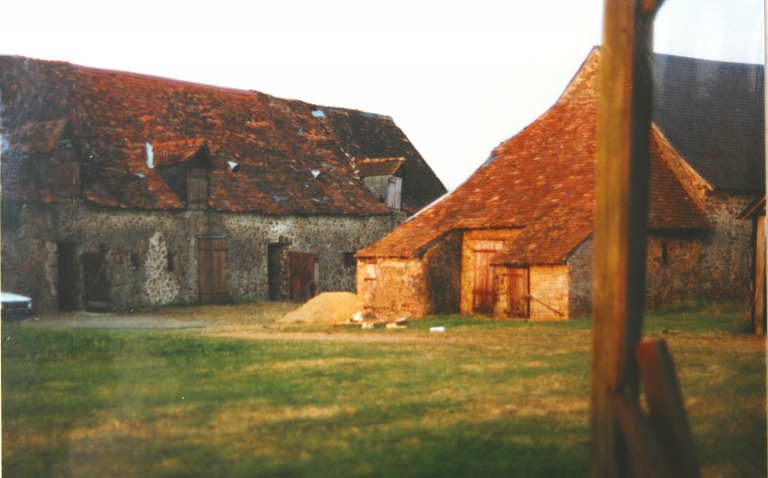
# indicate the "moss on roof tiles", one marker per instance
pixel 114 115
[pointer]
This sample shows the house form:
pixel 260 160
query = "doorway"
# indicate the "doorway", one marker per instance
pixel 95 281
pixel 277 271
pixel 518 292
pixel 484 288
pixel 68 280
pixel 304 276
pixel 212 269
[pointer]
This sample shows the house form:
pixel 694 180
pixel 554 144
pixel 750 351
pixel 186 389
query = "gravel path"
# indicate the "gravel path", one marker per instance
pixel 85 320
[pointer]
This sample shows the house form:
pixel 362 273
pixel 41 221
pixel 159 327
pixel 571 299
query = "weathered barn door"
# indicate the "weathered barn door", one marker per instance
pixel 197 188
pixel 96 293
pixel 212 269
pixel 518 292
pixel 484 289
pixel 304 271
pixel 68 275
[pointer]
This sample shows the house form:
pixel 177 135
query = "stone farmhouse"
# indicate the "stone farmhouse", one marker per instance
pixel 515 240
pixel 122 190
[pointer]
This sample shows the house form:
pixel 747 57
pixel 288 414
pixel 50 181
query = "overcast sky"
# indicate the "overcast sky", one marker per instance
pixel 458 76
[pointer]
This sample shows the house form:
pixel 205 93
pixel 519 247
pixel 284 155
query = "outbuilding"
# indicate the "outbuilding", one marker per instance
pixel 515 240
pixel 122 190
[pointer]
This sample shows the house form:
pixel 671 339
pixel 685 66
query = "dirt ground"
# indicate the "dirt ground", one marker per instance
pixel 257 321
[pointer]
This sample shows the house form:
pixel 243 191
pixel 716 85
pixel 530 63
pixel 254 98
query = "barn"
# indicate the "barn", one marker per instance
pixel 122 190
pixel 515 240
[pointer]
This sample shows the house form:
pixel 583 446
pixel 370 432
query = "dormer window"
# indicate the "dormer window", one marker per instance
pixel 197 188
pixel 67 178
pixel 185 166
pixel 50 144
pixel 67 168
pixel 383 178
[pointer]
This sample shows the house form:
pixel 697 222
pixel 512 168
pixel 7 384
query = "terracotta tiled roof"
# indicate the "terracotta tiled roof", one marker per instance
pixel 542 180
pixel 548 241
pixel 38 137
pixel 176 152
pixel 276 143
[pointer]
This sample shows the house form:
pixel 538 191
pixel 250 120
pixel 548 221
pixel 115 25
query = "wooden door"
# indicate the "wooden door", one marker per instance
pixel 212 269
pixel 518 297
pixel 96 285
pixel 303 276
pixel 484 289
pixel 197 188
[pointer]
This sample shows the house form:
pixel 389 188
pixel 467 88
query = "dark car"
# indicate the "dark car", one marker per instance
pixel 14 306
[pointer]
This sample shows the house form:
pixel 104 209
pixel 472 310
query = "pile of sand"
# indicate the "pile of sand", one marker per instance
pixel 326 308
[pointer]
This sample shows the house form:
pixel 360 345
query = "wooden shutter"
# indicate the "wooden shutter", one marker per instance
pixel 394 187
pixel 303 276
pixel 518 292
pixel 68 179
pixel 212 269
pixel 484 289
pixel 197 188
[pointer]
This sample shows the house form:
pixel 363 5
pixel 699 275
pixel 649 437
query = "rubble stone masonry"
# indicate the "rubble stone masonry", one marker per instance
pixel 151 257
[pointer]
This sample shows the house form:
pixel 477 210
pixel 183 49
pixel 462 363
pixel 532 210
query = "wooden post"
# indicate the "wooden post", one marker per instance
pixel 666 409
pixel 623 150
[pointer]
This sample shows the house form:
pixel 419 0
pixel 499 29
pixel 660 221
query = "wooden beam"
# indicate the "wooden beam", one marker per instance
pixel 649 458
pixel 666 408
pixel 623 149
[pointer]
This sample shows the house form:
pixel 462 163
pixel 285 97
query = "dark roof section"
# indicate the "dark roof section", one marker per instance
pixel 283 148
pixel 712 114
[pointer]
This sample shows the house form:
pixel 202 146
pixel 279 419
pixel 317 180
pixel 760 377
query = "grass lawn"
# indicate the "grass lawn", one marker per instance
pixel 485 398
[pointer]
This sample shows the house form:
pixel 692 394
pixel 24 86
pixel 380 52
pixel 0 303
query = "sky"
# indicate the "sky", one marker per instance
pixel 457 76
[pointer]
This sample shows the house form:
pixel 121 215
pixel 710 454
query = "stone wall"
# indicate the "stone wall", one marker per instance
pixel 681 265
pixel 713 264
pixel 580 280
pixel 443 274
pixel 151 257
pixel 549 292
pixel 392 288
pixel 427 285
pixel 548 288
pixel 684 265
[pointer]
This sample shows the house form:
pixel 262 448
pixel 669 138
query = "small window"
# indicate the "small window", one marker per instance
pixel 665 253
pixel 349 259
pixel 11 214
pixel 171 258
